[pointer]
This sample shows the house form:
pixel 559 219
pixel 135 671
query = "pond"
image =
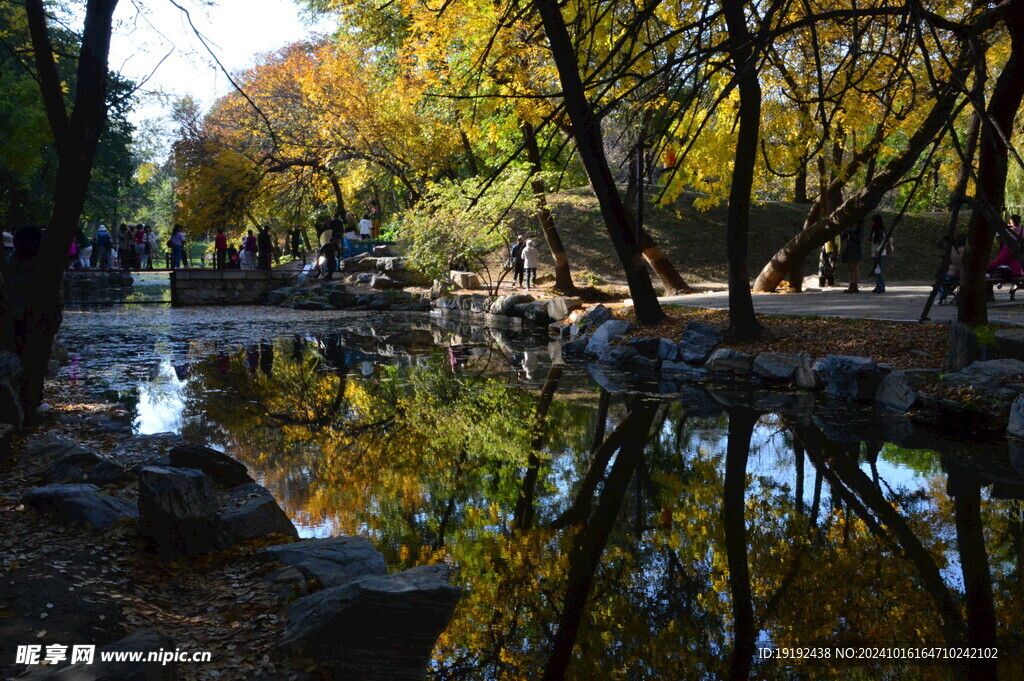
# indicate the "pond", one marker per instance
pixel 611 535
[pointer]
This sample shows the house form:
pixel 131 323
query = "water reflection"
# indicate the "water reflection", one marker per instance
pixel 616 535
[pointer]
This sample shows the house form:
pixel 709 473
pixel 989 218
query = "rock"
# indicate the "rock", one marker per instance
pixel 667 350
pixel 10 365
pixel 898 390
pixel 250 511
pixel 11 412
pixel 340 300
pixel 382 282
pixel 222 468
pixel 536 313
pixel 617 354
pixel 70 463
pixel 776 367
pixel 594 317
pixel 364 262
pixel 1015 425
pixel 145 641
pixel 805 377
pixel 726 361
pixel 558 330
pixel 441 287
pixel 682 371
pixel 963 347
pixel 479 303
pixel 646 364
pixel 575 348
pixel 647 347
pixel 465 280
pixel 390 264
pixel 605 334
pixel 998 379
pixel 77 505
pixel 849 378
pixel 374 628
pixel 507 304
pixel 288 584
pixel 312 305
pixel 178 511
pixel 329 562
pixel 560 307
pixel 698 340
pixel 383 250
pixel 363 278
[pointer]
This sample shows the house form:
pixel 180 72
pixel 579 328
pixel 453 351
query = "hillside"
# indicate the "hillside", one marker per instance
pixel 695 239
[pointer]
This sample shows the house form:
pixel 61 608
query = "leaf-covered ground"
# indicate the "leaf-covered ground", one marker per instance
pixel 72 586
pixel 899 344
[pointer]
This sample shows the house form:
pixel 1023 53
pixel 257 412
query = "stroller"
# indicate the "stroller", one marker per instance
pixel 949 290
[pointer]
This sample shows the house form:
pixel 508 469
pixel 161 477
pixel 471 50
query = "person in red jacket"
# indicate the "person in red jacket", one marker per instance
pixel 220 245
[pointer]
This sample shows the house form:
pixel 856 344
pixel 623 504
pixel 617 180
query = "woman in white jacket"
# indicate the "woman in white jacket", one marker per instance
pixel 531 257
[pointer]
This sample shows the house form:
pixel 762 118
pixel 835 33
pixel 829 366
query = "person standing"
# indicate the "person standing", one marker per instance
pixel 124 247
pixel 365 227
pixel 881 248
pixel 103 243
pixel 84 249
pixel 853 253
pixel 220 247
pixel 249 249
pixel 295 241
pixel 264 248
pixel 177 242
pixel 140 245
pixel 531 258
pixel 152 246
pixel 374 218
pixel 516 256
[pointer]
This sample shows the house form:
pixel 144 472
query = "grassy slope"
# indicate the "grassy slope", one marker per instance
pixel 695 240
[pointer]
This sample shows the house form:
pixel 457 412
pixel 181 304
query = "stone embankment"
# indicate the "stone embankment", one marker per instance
pixel 973 393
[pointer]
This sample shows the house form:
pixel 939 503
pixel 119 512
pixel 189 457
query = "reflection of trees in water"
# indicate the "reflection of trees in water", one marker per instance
pixel 612 537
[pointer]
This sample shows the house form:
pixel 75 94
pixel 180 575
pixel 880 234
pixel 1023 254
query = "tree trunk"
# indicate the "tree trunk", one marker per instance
pixel 862 202
pixel 662 266
pixel 743 323
pixel 76 137
pixel 992 169
pixel 586 130
pixel 563 274
pixel 339 198
pixel 525 511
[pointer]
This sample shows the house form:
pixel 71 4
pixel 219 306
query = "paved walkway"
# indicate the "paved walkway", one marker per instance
pixel 900 303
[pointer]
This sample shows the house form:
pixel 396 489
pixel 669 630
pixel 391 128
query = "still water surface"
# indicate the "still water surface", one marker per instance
pixel 599 535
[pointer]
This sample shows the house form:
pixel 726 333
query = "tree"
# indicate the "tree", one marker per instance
pixel 76 134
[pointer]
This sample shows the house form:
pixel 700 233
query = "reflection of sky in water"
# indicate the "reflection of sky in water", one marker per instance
pixel 161 402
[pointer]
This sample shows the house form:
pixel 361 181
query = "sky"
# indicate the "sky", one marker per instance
pixel 147 31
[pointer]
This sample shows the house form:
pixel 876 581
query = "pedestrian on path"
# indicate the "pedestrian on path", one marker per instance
pixel 531 258
pixel 853 253
pixel 881 248
pixel 517 260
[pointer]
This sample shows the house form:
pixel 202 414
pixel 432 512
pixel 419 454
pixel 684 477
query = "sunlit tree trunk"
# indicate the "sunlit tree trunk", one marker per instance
pixel 563 274
pixel 586 130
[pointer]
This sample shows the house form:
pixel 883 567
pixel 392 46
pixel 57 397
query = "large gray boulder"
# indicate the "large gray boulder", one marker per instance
pixel 536 313
pixel 81 466
pixel 804 377
pixel 594 317
pixel 899 390
pixel 329 562
pixel 250 511
pixel 224 469
pixel 667 350
pixel 383 282
pixel 178 514
pixel 646 347
pixel 558 308
pixel 683 371
pixel 609 331
pixel 776 367
pixel 1015 426
pixel 849 378
pixel 374 628
pixel 77 505
pixel 144 642
pixel 617 354
pixel 575 348
pixel 698 340
pixel 506 305
pixel 729 362
pixel 999 379
pixel 364 262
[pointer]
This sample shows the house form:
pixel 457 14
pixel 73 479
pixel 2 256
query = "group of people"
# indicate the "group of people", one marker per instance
pixel 131 247
pixel 524 258
pixel 258 251
pixel 848 248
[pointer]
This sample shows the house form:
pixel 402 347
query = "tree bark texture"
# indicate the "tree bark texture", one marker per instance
pixel 563 273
